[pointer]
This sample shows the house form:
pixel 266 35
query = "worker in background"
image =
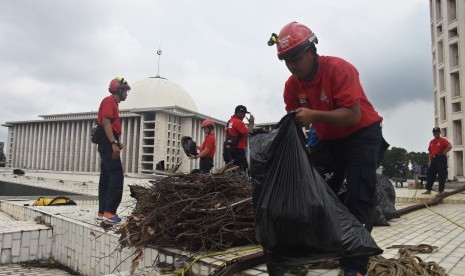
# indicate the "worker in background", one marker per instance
pixel 208 148
pixel 235 145
pixel 437 161
pixel 326 92
pixel 110 189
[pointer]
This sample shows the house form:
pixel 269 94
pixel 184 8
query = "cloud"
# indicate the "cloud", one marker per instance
pixel 58 57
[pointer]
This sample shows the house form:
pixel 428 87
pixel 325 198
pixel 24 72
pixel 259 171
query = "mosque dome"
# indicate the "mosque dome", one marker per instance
pixel 157 92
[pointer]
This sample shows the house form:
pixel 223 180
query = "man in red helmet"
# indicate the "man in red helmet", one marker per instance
pixel 208 148
pixel 437 161
pixel 326 92
pixel 110 190
pixel 235 146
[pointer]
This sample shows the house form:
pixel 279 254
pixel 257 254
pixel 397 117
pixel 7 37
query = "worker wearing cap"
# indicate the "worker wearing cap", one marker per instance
pixel 236 137
pixel 437 161
pixel 326 92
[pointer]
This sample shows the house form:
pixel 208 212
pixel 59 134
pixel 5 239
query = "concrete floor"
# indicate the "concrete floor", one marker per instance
pixel 442 225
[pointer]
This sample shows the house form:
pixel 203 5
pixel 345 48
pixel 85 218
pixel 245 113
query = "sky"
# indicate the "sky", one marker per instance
pixel 59 56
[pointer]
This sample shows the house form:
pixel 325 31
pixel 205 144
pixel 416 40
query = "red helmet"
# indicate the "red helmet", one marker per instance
pixel 118 84
pixel 294 38
pixel 208 122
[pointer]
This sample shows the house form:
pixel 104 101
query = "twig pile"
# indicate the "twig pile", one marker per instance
pixel 196 212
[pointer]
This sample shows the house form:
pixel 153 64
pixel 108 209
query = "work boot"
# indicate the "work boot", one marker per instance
pixel 427 192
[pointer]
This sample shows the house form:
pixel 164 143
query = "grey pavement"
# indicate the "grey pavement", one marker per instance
pixel 442 225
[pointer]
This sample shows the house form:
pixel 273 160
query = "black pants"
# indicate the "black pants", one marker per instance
pixel 206 164
pixel 437 167
pixel 110 187
pixel 239 157
pixel 355 160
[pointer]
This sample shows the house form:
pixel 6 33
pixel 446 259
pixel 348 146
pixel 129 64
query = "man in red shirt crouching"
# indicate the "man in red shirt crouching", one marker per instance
pixel 326 92
pixel 437 163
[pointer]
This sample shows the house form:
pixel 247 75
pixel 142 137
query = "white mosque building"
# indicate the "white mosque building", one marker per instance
pixel 154 119
pixel 447 24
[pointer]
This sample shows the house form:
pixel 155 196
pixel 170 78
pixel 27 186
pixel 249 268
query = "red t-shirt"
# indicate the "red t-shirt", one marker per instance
pixel 209 142
pixel 437 146
pixel 335 85
pixel 109 108
pixel 236 127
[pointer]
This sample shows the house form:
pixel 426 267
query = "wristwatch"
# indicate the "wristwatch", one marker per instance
pixel 115 142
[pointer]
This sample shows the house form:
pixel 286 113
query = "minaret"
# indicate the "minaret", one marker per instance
pixel 159 52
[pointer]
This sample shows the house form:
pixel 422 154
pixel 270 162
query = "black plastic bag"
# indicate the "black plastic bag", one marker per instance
pixel 297 216
pixel 96 133
pixel 386 197
pixel 189 146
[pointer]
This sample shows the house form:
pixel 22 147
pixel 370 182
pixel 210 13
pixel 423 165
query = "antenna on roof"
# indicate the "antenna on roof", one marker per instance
pixel 159 52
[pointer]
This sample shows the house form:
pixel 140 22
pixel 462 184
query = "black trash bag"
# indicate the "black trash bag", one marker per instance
pixel 385 210
pixel 189 146
pixel 378 217
pixel 18 172
pixel 386 197
pixel 160 166
pixel 297 216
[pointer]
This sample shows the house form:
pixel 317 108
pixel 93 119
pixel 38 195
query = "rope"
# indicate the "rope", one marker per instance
pixel 406 264
pixel 435 201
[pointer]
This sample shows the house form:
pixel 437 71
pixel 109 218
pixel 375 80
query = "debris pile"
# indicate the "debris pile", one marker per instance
pixel 196 212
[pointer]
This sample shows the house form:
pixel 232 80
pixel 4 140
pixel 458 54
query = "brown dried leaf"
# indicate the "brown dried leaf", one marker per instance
pixel 139 254
pixel 151 231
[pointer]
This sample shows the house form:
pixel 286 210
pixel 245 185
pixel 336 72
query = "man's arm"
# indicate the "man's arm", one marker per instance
pixel 343 116
pixel 448 148
pixel 251 123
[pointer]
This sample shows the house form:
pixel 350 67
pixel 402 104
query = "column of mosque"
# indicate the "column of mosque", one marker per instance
pixel 29 146
pixel 60 145
pixel 74 146
pixel 17 144
pixel 38 146
pixel 25 146
pixel 82 149
pixel 53 138
pixel 124 139
pixel 33 138
pixel 136 148
pixel 23 162
pixel 40 157
pixel 68 141
pixel 66 158
pixel 78 146
pixel 96 159
pixel 47 147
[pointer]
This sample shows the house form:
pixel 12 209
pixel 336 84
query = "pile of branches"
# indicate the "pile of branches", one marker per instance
pixel 196 212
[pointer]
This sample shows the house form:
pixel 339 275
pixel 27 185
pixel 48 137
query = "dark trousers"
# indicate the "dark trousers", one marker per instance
pixel 110 188
pixel 437 167
pixel 206 164
pixel 239 157
pixel 355 160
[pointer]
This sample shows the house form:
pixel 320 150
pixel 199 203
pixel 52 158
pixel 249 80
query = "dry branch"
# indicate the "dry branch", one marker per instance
pixel 197 212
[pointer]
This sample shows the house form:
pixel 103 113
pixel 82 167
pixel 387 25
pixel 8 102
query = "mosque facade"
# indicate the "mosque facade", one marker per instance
pixel 154 118
pixel 447 24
